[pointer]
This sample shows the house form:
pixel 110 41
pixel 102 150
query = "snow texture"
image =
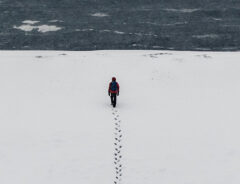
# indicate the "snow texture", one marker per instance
pixel 176 121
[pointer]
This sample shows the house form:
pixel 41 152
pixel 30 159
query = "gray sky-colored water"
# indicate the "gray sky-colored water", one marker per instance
pixel 119 24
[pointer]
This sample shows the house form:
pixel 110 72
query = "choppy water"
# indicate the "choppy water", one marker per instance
pixel 120 24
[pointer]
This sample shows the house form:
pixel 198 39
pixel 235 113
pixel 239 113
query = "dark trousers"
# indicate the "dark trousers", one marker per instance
pixel 114 99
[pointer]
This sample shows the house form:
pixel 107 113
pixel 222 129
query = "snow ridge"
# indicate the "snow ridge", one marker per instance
pixel 117 148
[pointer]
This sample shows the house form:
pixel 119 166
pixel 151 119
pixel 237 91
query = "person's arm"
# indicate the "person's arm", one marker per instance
pixel 118 88
pixel 109 88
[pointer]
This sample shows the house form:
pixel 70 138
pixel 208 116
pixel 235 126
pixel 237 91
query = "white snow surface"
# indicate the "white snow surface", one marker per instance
pixel 179 115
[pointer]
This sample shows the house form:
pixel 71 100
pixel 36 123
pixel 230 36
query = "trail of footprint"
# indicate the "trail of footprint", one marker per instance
pixel 117 147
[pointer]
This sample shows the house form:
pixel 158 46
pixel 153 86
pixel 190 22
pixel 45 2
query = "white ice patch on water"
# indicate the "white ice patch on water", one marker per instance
pixel 99 14
pixel 40 28
pixel 89 29
pixel 136 45
pixel 105 30
pixel 55 21
pixel 48 28
pixel 169 24
pixel 230 25
pixel 143 34
pixel 217 19
pixel 206 36
pixel 181 10
pixel 175 24
pixel 156 47
pixel 118 32
pixel 25 27
pixel 30 22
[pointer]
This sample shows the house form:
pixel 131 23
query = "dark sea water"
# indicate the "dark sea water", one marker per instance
pixel 120 24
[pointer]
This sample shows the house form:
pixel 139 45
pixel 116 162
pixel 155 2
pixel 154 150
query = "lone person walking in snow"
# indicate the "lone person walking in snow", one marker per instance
pixel 113 91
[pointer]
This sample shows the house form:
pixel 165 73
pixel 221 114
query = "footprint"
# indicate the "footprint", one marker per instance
pixel 118 146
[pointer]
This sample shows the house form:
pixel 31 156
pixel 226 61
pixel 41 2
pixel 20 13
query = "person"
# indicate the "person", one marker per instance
pixel 113 91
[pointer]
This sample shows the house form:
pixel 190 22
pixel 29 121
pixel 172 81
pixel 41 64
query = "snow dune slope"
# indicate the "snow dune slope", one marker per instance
pixel 178 112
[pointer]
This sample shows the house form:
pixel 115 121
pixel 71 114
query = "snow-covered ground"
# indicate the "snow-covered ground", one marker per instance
pixel 178 112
